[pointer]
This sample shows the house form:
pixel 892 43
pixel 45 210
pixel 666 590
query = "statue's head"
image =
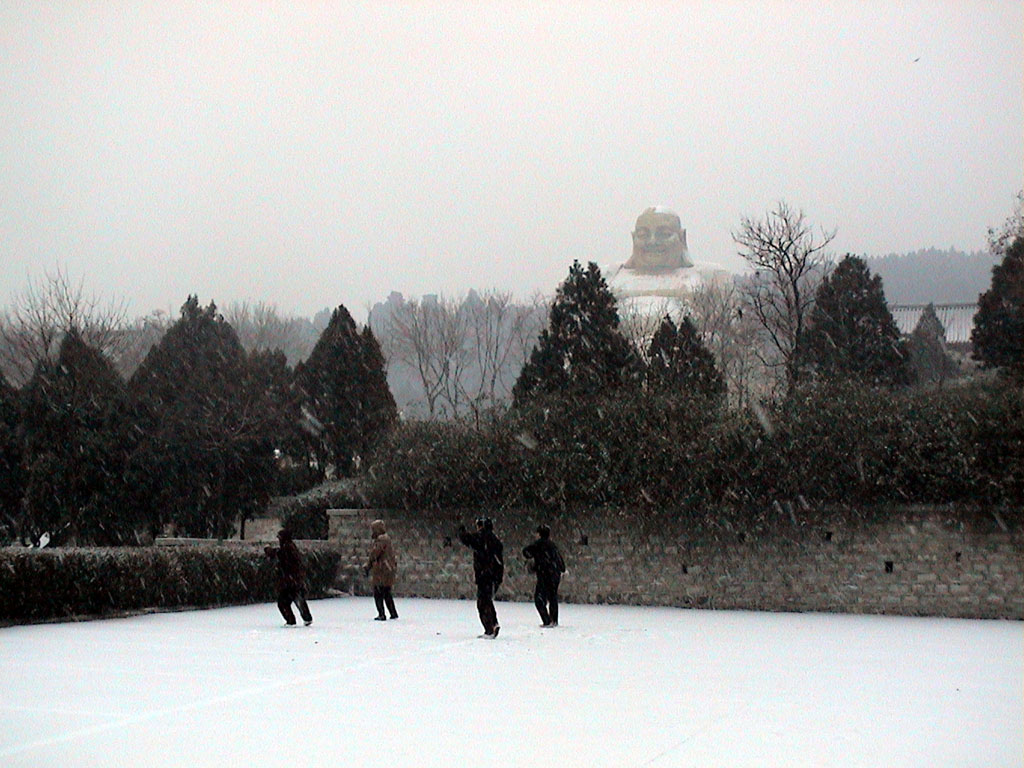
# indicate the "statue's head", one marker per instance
pixel 659 242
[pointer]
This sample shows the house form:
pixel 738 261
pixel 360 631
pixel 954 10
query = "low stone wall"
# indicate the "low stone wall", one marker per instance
pixel 917 562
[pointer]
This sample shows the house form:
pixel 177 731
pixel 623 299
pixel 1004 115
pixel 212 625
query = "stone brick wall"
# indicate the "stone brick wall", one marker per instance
pixel 926 562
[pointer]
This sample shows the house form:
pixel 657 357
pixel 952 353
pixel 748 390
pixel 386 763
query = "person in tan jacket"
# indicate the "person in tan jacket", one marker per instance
pixel 382 567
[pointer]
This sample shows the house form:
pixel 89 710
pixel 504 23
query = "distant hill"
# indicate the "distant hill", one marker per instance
pixel 933 276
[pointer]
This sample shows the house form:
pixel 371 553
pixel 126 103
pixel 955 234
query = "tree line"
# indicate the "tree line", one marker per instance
pixel 848 411
pixel 197 439
pixel 592 408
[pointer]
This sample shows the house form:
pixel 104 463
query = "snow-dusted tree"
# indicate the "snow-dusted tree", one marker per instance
pixel 851 335
pixel 75 437
pixel 789 263
pixel 205 460
pixel 678 364
pixel 345 390
pixel 581 352
pixel 998 335
pixel 930 361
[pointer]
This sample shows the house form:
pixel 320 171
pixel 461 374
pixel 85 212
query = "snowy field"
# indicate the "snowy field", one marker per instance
pixel 613 686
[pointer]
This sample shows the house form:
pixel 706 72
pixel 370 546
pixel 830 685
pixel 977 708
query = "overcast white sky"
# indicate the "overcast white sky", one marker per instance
pixel 308 154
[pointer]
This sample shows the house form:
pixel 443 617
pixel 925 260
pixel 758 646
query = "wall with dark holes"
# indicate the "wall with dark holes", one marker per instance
pixel 913 561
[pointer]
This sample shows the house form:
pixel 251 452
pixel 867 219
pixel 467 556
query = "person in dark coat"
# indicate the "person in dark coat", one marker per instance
pixel 382 568
pixel 488 570
pixel 546 561
pixel 291 578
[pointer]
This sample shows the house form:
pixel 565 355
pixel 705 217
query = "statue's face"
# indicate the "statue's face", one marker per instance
pixel 658 242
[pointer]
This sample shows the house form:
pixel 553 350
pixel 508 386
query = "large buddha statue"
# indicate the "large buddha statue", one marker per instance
pixel 661 266
pixel 659 242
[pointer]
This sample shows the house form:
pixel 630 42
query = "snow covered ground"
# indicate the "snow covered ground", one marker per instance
pixel 613 686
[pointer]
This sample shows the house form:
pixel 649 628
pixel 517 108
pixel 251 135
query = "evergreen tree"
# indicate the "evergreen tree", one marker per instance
pixel 74 438
pixel 345 389
pixel 12 478
pixel 852 335
pixel 929 359
pixel 678 363
pixel 272 376
pixel 209 428
pixel 998 335
pixel 582 351
pixel 381 411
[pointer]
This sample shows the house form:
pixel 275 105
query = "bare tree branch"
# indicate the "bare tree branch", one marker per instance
pixel 139 337
pixel 497 328
pixel 261 327
pixel 733 336
pixel 32 328
pixel 1000 239
pixel 464 353
pixel 789 263
pixel 428 336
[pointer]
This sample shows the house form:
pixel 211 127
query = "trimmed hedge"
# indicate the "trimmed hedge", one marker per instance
pixel 826 445
pixel 40 585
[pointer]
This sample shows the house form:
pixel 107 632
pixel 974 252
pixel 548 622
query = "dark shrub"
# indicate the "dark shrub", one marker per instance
pixel 37 585
pixel 306 513
pixel 831 444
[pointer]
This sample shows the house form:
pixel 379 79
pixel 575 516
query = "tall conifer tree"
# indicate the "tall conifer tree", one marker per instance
pixel 852 335
pixel 272 376
pixel 381 411
pixel 12 478
pixel 345 389
pixel 678 363
pixel 929 360
pixel 206 460
pixel 998 335
pixel 582 351
pixel 75 434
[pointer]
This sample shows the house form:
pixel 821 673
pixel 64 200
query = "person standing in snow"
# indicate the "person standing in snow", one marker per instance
pixel 382 567
pixel 488 570
pixel 546 561
pixel 291 578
